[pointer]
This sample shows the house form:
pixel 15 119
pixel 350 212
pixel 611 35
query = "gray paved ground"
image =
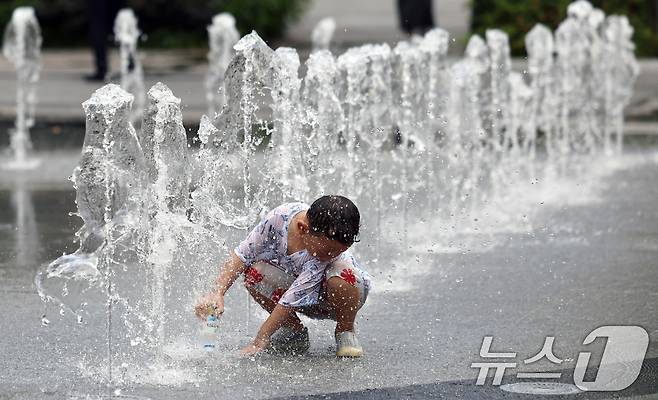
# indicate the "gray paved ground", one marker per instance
pixel 588 258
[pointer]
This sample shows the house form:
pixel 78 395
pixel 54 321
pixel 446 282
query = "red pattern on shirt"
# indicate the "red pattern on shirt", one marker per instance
pixel 252 277
pixel 348 276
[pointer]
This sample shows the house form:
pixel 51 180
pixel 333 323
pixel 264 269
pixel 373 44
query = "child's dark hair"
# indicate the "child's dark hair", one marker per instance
pixel 336 217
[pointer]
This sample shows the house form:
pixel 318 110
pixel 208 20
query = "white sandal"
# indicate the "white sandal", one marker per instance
pixel 347 345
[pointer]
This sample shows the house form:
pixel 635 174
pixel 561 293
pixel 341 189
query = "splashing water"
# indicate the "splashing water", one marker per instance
pixel 620 71
pixel 543 77
pixel 22 47
pixel 324 120
pixel 430 151
pixel 286 141
pixel 164 144
pixel 230 142
pixel 365 93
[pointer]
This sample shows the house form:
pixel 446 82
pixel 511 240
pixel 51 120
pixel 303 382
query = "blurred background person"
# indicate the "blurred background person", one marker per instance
pixel 415 16
pixel 101 19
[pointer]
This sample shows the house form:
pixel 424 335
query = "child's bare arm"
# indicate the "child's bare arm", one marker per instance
pixel 271 324
pixel 232 268
pixel 230 272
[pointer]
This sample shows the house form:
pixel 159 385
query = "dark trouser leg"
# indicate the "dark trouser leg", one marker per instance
pixel 99 16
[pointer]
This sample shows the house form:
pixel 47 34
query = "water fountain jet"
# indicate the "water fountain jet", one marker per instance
pixel 322 34
pixel 22 47
pixel 222 36
pixel 126 34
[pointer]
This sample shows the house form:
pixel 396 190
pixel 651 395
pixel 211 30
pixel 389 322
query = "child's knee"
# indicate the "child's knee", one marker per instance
pixel 339 291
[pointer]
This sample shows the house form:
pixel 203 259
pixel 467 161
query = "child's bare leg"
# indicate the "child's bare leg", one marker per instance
pixel 344 298
pixel 268 305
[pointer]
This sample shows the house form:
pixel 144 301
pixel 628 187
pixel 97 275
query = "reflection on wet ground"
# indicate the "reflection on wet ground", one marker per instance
pixel 35 226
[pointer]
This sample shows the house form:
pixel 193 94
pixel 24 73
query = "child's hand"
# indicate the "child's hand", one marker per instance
pixel 252 349
pixel 211 303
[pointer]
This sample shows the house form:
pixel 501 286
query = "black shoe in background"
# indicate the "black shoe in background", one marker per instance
pixel 97 77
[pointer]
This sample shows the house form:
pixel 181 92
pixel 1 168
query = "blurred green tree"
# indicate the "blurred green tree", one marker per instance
pixel 165 23
pixel 516 18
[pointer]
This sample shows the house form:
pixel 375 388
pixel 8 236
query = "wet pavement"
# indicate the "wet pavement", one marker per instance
pixel 586 256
